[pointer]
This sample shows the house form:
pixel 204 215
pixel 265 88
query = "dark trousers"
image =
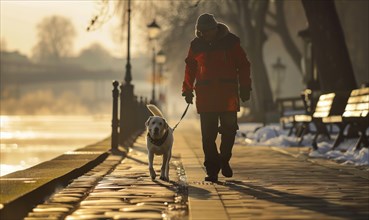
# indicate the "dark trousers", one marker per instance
pixel 209 130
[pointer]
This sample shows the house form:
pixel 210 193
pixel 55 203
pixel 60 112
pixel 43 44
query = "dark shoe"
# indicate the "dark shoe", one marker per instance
pixel 211 178
pixel 227 170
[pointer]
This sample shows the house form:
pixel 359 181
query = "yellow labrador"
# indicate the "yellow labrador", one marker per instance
pixel 159 141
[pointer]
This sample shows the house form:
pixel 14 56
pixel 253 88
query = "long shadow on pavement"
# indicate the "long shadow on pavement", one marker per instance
pixel 198 193
pixel 137 160
pixel 140 148
pixel 304 202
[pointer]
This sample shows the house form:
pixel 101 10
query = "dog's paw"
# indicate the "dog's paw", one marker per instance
pixel 164 178
pixel 152 174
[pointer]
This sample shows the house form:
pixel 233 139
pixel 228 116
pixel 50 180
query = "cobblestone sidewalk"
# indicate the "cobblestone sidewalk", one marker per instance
pixel 119 189
pixel 267 184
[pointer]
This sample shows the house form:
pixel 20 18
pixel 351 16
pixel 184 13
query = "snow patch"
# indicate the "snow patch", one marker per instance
pixel 274 135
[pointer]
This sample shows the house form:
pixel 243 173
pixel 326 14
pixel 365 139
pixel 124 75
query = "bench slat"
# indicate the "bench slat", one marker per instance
pixel 332 119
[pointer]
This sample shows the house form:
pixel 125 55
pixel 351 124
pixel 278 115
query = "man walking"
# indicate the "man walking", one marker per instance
pixel 218 70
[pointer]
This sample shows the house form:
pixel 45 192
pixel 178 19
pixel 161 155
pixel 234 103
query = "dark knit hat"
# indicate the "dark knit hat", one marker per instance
pixel 206 22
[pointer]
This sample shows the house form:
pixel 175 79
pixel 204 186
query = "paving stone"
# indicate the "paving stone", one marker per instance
pixel 63 194
pixel 51 209
pixel 126 197
pixel 110 187
pixel 159 200
pixel 74 190
pixel 134 215
pixel 153 204
pixel 100 202
pixel 141 209
pixel 86 217
pixel 65 199
pixel 82 211
pixel 103 206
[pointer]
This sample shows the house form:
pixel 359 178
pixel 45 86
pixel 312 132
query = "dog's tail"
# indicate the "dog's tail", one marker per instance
pixel 154 110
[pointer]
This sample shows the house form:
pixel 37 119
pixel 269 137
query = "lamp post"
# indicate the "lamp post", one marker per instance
pixel 160 59
pixel 126 88
pixel 128 77
pixel 308 65
pixel 154 30
pixel 279 70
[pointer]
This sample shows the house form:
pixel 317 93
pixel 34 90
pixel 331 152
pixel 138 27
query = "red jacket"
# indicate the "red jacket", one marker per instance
pixel 219 68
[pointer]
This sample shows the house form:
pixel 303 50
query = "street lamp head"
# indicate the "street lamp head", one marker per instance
pixel 279 66
pixel 154 29
pixel 160 57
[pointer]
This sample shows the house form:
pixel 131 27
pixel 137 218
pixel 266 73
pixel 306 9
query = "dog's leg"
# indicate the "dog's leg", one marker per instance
pixel 151 162
pixel 167 165
pixel 164 168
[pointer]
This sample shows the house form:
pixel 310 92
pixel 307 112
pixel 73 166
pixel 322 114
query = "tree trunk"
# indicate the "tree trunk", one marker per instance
pixel 262 93
pixel 286 38
pixel 333 62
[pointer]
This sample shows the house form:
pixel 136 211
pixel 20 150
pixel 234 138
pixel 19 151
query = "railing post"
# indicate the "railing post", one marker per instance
pixel 126 109
pixel 142 112
pixel 115 121
pixel 135 115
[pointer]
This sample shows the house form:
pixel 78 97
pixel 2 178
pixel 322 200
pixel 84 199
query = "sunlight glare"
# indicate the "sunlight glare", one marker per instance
pixel 4 120
pixel 17 135
pixel 7 168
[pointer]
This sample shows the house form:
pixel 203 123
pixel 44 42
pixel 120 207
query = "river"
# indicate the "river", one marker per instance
pixel 30 140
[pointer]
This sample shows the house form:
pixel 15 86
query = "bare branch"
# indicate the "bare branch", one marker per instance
pixel 272 27
pixel 282 30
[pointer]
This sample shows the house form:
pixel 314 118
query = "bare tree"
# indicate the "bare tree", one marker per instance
pixel 55 39
pixel 332 58
pixel 280 27
pixel 95 57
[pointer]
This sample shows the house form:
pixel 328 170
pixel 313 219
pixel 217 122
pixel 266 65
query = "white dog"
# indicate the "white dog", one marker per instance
pixel 159 141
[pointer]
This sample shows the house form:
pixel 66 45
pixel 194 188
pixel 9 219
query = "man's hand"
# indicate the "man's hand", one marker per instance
pixel 245 94
pixel 188 97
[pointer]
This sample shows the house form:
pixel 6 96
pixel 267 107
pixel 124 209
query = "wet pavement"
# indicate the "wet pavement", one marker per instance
pixel 267 184
pixel 119 189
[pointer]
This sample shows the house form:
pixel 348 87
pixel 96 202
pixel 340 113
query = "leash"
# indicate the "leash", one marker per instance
pixel 184 113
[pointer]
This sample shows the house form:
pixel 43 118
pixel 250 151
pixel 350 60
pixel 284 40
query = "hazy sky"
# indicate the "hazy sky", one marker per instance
pixel 20 18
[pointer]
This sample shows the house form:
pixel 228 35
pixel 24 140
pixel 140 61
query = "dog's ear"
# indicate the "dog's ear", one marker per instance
pixel 165 124
pixel 148 121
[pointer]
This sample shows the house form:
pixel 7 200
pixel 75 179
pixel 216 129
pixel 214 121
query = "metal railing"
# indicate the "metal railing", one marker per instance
pixel 132 114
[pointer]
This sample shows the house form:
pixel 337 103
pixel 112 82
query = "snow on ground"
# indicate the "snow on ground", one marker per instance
pixel 274 135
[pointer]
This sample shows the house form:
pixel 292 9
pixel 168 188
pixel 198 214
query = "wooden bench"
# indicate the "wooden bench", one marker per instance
pixel 356 114
pixel 290 107
pixel 333 105
pixel 327 105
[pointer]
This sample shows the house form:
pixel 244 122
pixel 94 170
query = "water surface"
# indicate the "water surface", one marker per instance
pixel 30 140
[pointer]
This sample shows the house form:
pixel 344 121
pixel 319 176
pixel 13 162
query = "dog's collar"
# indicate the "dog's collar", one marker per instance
pixel 158 142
